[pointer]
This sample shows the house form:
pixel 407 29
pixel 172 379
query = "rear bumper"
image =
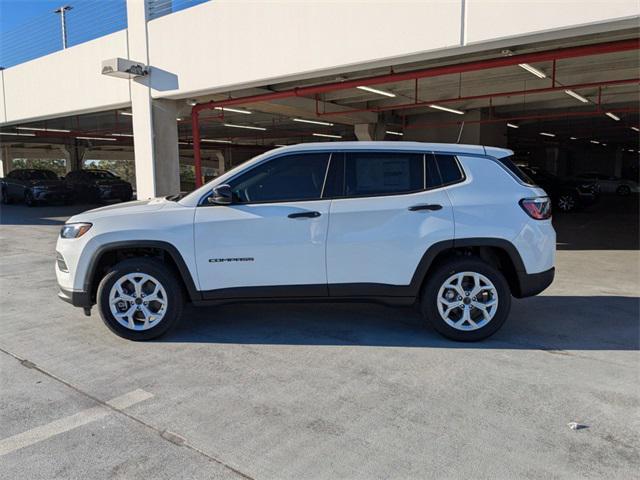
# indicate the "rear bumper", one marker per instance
pixel 75 298
pixel 533 283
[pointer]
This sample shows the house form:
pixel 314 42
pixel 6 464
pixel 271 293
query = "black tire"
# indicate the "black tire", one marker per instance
pixel 436 279
pixel 623 190
pixel 28 199
pixel 567 202
pixel 4 197
pixel 171 285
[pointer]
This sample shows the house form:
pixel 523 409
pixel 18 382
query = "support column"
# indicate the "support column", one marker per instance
pixel 7 160
pixel 369 131
pixel 155 129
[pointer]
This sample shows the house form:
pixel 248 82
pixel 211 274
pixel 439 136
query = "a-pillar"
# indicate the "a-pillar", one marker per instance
pixel 155 128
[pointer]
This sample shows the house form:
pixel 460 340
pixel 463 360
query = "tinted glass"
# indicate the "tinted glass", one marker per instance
pixel 334 186
pixel 449 170
pixel 433 174
pixel 13 174
pixel 41 175
pixel 100 174
pixel 294 177
pixel 507 162
pixel 373 173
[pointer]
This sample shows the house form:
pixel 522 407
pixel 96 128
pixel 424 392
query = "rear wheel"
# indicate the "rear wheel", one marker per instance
pixel 623 190
pixel 567 202
pixel 140 299
pixel 466 299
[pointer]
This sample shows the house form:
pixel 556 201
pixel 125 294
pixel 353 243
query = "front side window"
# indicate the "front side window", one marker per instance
pixel 290 178
pixel 381 173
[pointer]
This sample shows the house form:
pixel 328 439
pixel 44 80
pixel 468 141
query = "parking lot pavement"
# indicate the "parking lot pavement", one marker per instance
pixel 276 391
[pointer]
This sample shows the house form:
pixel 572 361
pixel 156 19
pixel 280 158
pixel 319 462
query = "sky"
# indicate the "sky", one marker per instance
pixel 14 13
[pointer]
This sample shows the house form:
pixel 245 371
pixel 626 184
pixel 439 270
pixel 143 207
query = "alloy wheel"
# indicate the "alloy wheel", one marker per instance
pixel 467 301
pixel 566 203
pixel 138 301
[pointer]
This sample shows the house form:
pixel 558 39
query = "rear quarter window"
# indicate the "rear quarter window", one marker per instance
pixel 507 162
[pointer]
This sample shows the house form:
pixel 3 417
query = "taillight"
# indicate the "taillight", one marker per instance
pixel 538 207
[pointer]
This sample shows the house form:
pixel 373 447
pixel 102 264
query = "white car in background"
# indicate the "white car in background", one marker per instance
pixel 611 184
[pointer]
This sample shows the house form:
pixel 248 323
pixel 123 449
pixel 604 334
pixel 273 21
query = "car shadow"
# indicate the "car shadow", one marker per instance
pixel 553 323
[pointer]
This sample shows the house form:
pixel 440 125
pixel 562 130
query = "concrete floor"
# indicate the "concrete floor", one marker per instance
pixel 350 391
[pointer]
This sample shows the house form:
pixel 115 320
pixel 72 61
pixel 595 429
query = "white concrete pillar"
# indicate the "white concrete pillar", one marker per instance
pixel 155 129
pixel 7 161
pixel 369 131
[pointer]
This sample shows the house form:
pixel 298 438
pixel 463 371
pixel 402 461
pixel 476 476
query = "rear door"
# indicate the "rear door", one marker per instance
pixel 271 240
pixel 388 209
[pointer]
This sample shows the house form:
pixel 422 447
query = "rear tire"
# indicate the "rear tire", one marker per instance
pixel 623 190
pixel 140 299
pixel 29 200
pixel 475 304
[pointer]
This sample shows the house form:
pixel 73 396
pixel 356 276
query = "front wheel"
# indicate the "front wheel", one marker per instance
pixel 29 200
pixel 5 197
pixel 466 299
pixel 140 299
pixel 623 190
pixel 567 202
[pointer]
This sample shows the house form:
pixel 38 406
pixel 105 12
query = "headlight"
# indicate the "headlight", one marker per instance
pixel 74 230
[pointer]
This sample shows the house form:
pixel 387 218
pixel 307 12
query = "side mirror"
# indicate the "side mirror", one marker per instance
pixel 221 195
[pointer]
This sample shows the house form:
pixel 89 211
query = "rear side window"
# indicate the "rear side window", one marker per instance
pixel 381 173
pixel 507 162
pixel 449 169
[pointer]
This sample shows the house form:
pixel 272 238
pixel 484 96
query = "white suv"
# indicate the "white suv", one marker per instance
pixel 457 229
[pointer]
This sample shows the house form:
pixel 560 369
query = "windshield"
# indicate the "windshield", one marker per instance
pixel 42 175
pixel 100 174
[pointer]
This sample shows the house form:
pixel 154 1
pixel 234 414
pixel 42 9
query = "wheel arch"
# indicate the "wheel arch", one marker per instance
pixel 499 252
pixel 109 254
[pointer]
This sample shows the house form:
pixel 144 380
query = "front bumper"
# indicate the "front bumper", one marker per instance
pixel 52 195
pixel 533 283
pixel 75 298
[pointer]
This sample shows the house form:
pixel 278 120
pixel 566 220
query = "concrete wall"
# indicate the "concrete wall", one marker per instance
pixel 66 82
pixel 226 44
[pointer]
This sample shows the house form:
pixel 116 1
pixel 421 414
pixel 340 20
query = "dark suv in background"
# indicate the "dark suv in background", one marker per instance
pixel 98 186
pixel 34 186
pixel 567 194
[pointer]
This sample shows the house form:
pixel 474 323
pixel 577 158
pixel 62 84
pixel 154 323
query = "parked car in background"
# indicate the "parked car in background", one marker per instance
pixel 33 187
pixel 98 186
pixel 567 194
pixel 611 184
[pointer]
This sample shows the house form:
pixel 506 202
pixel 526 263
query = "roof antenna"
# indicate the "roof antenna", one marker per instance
pixel 460 133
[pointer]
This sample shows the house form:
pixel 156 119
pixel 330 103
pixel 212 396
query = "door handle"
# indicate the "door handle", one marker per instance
pixel 304 215
pixel 432 206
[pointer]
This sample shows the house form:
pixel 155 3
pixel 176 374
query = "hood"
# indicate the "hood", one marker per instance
pixel 47 183
pixel 127 208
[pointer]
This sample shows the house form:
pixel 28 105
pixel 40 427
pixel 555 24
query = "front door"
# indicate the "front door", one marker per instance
pixel 271 240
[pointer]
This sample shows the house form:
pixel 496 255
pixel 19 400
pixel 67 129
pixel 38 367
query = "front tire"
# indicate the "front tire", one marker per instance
pixel 5 197
pixel 140 299
pixel 29 200
pixel 466 299
pixel 623 190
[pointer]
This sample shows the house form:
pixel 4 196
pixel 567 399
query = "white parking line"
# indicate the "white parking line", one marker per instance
pixel 38 434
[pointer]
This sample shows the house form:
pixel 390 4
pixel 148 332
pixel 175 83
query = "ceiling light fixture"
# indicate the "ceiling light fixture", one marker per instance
pixel 234 110
pixel 214 140
pixel 512 125
pixel 577 96
pixel 613 115
pixel 604 144
pixel 19 134
pixel 97 138
pixel 128 114
pixel 631 150
pixel 446 109
pixel 391 132
pixel 325 135
pixel 573 138
pixel 37 129
pixel 316 122
pixel 546 134
pixel 535 71
pixel 635 129
pixel 595 141
pixel 248 127
pixel 379 92
pixel 122 134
